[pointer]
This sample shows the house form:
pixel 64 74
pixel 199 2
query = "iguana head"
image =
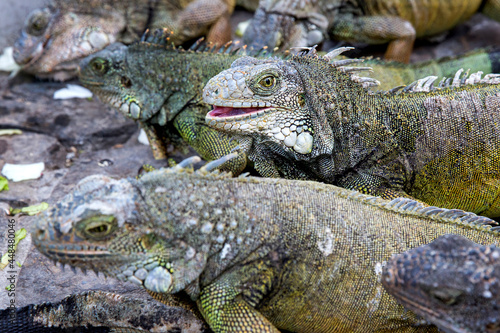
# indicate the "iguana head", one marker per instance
pixel 451 282
pixel 288 105
pixel 135 81
pixel 55 38
pixel 116 227
pixel 107 75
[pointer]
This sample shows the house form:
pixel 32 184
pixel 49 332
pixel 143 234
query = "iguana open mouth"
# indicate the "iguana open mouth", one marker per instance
pixel 224 111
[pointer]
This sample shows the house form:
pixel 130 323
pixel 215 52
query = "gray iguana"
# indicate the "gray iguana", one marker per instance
pixel 56 37
pixel 309 118
pixel 287 23
pixel 256 254
pixel 160 86
pixel 452 282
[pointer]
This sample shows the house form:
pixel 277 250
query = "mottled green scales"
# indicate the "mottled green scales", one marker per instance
pixel 256 254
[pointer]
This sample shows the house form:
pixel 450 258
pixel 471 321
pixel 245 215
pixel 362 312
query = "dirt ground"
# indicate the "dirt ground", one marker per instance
pixel 80 137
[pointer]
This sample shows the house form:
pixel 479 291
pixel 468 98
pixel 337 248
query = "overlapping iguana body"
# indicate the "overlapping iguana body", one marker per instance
pixel 100 312
pixel 452 282
pixel 256 254
pixel 307 118
pixel 160 86
pixel 287 23
pixel 56 37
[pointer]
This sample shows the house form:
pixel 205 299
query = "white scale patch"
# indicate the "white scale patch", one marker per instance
pixel 325 242
pixel 225 251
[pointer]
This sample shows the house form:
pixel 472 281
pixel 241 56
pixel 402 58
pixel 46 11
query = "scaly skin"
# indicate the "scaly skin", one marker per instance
pixel 160 86
pixel 55 38
pixel 287 23
pixel 165 83
pixel 306 118
pixel 452 282
pixel 256 254
pixel 97 311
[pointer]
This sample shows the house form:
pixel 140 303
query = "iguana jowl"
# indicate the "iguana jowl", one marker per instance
pixel 256 254
pixel 307 118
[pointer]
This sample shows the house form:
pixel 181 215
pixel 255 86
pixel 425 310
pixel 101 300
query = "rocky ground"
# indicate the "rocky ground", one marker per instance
pixel 80 137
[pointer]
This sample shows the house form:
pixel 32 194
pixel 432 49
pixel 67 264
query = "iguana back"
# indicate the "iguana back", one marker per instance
pixel 311 119
pixel 255 253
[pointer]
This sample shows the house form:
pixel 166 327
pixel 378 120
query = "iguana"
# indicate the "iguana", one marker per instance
pixel 56 37
pixel 308 118
pixel 98 311
pixel 257 254
pixel 452 282
pixel 165 84
pixel 287 23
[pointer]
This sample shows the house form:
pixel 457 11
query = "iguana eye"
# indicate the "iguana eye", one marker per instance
pixel 99 227
pixel 99 65
pixel 38 22
pixel 448 296
pixel 267 82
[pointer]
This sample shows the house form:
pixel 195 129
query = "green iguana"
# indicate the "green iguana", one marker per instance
pixel 307 118
pixel 256 254
pixel 100 312
pixel 56 37
pixel 160 86
pixel 452 282
pixel 287 23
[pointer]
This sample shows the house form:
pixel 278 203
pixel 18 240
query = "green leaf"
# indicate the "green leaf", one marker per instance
pixel 4 184
pixel 18 236
pixel 30 210
pixel 10 132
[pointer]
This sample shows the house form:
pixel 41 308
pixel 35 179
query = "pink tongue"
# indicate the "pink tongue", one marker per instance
pixel 222 111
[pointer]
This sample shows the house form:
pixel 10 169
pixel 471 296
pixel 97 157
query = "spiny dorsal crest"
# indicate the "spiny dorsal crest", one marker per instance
pixel 161 38
pixel 444 215
pixel 427 83
pixel 341 65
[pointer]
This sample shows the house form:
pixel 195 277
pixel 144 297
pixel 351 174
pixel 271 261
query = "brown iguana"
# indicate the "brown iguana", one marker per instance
pixel 100 312
pixel 452 282
pixel 287 23
pixel 256 254
pixel 307 118
pixel 56 37
pixel 160 86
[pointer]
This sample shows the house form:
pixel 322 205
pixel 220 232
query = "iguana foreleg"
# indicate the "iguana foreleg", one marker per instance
pixel 226 303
